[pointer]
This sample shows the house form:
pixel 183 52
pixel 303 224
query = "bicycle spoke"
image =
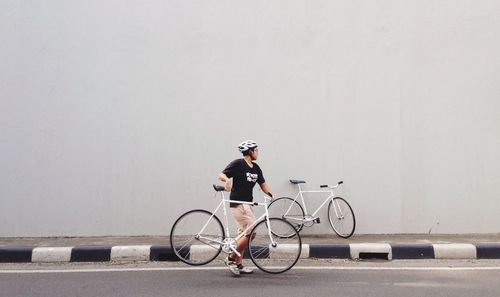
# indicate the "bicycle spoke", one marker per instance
pixel 289 210
pixel 341 217
pixel 184 245
pixel 203 248
pixel 278 258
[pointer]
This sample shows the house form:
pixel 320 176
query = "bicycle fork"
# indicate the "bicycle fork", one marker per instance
pixel 338 211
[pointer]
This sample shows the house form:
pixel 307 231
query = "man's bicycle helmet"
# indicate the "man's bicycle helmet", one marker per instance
pixel 247 145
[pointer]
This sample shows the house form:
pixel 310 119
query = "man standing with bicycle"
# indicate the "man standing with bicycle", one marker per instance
pixel 245 174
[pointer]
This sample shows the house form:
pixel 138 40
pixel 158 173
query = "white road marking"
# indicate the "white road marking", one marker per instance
pixel 37 271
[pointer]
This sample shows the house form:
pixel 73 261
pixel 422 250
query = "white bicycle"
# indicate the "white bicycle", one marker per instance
pixel 340 214
pixel 198 237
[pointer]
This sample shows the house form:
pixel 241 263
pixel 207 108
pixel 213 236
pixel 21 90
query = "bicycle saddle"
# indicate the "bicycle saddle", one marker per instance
pixel 296 181
pixel 219 188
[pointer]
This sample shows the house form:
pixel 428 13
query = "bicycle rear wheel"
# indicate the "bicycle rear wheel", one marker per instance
pixel 273 253
pixel 193 243
pixel 289 210
pixel 341 217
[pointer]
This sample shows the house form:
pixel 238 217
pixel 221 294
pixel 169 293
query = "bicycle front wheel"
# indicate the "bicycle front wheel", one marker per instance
pixel 196 237
pixel 289 210
pixel 341 217
pixel 273 253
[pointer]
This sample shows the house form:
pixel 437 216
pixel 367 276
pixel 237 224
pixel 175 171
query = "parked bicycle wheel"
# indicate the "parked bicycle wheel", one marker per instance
pixel 196 236
pixel 279 254
pixel 289 210
pixel 341 217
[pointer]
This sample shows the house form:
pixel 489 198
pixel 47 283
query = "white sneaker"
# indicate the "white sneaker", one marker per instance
pixel 244 270
pixel 232 267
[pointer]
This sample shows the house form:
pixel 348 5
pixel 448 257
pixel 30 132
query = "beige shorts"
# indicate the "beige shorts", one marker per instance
pixel 244 216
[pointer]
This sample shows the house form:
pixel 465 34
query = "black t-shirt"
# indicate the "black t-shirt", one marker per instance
pixel 244 179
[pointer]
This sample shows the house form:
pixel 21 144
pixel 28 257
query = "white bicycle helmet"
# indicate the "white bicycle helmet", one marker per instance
pixel 247 145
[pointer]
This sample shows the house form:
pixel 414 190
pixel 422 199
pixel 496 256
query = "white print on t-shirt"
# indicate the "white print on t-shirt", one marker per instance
pixel 252 177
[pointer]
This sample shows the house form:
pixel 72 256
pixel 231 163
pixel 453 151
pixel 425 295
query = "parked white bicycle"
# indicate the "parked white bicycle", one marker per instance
pixel 340 214
pixel 198 237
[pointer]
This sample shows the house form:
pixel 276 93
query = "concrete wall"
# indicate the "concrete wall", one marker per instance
pixel 117 116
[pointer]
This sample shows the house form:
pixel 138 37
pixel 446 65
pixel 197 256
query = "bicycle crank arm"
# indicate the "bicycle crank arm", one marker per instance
pixel 235 251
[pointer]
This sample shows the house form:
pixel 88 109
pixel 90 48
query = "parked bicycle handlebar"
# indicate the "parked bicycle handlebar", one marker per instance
pixel 326 186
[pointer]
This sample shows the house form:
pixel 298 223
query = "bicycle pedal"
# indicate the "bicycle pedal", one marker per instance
pixel 317 221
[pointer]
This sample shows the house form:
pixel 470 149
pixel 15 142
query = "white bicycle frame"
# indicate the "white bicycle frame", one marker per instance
pixel 313 215
pixel 222 204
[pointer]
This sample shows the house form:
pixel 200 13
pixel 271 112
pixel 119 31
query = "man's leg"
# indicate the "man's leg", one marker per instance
pixel 241 247
pixel 244 217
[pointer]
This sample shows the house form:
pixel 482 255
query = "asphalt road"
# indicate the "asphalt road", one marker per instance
pixel 311 278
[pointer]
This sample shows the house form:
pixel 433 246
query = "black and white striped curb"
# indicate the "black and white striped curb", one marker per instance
pixel 319 251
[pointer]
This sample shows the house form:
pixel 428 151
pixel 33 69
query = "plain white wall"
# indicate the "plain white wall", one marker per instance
pixel 117 116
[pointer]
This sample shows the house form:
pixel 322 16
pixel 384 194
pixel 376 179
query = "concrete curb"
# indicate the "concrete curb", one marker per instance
pixel 455 251
pixel 371 250
pixel 312 251
pixel 131 253
pixel 51 254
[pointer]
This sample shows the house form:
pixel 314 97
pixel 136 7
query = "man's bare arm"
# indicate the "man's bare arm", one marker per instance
pixel 266 189
pixel 226 180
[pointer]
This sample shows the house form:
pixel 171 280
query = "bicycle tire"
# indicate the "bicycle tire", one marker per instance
pixel 185 244
pixel 278 208
pixel 341 217
pixel 274 259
